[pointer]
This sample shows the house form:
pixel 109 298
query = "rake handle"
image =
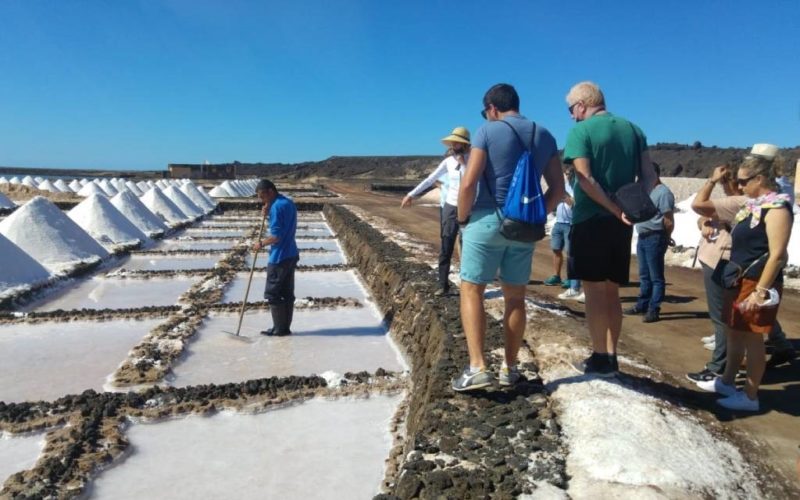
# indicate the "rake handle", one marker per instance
pixel 250 279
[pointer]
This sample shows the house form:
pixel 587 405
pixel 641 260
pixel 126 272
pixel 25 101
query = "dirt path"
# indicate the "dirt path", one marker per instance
pixel 671 345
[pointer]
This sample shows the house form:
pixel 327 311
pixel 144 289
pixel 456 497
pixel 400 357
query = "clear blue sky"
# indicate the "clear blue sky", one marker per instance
pixel 139 84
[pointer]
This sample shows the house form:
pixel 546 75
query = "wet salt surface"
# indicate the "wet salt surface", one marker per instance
pixel 176 244
pixel 307 284
pixel 340 340
pixel 18 453
pixel 160 263
pixel 48 360
pixel 318 449
pixel 216 233
pixel 334 256
pixel 102 293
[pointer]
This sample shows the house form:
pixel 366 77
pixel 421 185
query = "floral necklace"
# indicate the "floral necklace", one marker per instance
pixel 754 206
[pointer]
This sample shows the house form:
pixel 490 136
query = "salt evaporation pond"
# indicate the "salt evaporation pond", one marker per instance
pixel 148 262
pixel 339 340
pixel 46 361
pixel 306 284
pixel 333 257
pixel 317 449
pixel 18 453
pixel 111 293
pixel 185 244
pixel 205 232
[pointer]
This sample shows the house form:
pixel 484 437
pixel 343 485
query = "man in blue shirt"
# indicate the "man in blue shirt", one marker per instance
pixel 492 162
pixel 283 256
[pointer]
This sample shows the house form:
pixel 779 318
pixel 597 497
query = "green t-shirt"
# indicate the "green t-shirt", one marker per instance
pixel 609 143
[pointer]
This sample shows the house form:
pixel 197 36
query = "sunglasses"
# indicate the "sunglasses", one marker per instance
pixel 483 114
pixel 743 182
pixel 572 107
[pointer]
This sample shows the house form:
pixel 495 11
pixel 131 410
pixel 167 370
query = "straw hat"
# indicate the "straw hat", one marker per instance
pixel 459 134
pixel 768 151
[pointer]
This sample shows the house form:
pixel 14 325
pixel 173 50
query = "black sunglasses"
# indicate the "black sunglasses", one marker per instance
pixel 572 107
pixel 743 182
pixel 483 114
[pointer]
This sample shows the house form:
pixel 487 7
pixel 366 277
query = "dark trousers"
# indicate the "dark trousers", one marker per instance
pixel 280 282
pixel 715 303
pixel 650 252
pixel 449 232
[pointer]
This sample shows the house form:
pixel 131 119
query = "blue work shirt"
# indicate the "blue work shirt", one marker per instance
pixel 283 225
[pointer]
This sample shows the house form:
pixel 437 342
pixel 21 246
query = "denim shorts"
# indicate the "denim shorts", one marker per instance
pixel 559 236
pixel 485 251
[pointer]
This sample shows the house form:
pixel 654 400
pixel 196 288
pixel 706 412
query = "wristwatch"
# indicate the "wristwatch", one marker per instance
pixel 464 222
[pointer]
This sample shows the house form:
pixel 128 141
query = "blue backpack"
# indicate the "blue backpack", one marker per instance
pixel 524 214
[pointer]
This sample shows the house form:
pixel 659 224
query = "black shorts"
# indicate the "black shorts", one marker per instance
pixel 600 250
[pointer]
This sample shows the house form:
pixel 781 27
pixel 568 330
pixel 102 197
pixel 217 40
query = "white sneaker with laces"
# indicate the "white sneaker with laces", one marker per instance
pixel 739 401
pixel 570 293
pixel 581 298
pixel 708 340
pixel 718 386
pixel 710 346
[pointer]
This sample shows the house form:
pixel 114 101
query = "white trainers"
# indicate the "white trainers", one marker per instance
pixel 718 386
pixel 708 340
pixel 581 298
pixel 570 293
pixel 739 401
pixel 710 346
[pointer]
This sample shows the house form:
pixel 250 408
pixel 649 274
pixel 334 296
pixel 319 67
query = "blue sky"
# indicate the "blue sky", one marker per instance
pixel 139 84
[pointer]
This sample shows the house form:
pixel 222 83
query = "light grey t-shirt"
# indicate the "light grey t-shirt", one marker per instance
pixel 664 201
pixel 502 152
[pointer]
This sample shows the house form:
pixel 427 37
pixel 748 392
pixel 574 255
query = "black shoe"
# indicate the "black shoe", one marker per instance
pixel 632 311
pixel 780 357
pixel 612 358
pixel 704 376
pixel 596 364
pixel 651 316
pixel 268 333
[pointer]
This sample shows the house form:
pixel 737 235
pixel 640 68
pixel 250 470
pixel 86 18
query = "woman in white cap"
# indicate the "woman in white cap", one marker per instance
pixel 449 172
pixel 753 277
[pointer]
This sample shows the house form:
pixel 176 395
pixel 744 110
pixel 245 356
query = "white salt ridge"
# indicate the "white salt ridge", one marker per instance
pixel 75 185
pixel 49 236
pixel 15 180
pixel 28 181
pixel 159 204
pixel 91 188
pixel 207 196
pixel 183 202
pixel 19 271
pixel 191 192
pixel 5 202
pixel 131 207
pixel 3 180
pixel 101 219
pixel 107 187
pixel 133 188
pixel 46 185
pixel 221 192
pixel 617 446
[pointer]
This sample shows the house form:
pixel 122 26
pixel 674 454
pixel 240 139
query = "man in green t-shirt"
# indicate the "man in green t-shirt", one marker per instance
pixel 605 150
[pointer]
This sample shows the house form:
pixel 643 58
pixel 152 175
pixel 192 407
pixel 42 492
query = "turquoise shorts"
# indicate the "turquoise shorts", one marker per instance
pixel 484 251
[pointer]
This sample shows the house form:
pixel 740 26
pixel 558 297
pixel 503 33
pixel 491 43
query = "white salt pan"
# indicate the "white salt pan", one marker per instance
pixel 98 217
pixel 18 453
pixel 131 207
pixel 48 360
pixel 342 340
pixel 49 236
pixel 307 284
pixel 101 293
pixel 163 207
pixel 315 450
pixel 183 202
pixel 156 263
pixel 19 270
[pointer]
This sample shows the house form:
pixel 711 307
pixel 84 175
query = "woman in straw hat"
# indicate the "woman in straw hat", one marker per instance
pixel 753 277
pixel 449 172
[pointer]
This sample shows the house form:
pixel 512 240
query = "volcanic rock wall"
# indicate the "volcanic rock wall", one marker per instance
pixel 492 444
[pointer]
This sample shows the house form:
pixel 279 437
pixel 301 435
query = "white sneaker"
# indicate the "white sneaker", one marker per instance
pixel 570 293
pixel 739 401
pixel 581 298
pixel 710 346
pixel 708 340
pixel 718 386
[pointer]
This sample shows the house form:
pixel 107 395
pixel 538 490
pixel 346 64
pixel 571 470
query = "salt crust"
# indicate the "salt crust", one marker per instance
pixel 100 218
pixel 131 207
pixel 191 191
pixel 159 204
pixel 90 189
pixel 19 270
pixel 183 202
pixel 49 236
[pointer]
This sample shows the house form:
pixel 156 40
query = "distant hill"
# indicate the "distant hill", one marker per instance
pixel 676 160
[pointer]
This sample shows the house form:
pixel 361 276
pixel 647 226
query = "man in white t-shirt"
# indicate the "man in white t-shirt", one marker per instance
pixel 452 168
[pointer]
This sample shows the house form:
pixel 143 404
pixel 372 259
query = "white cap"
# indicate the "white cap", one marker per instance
pixel 768 151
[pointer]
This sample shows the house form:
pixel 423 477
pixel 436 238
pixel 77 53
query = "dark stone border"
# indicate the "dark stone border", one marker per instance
pixel 458 445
